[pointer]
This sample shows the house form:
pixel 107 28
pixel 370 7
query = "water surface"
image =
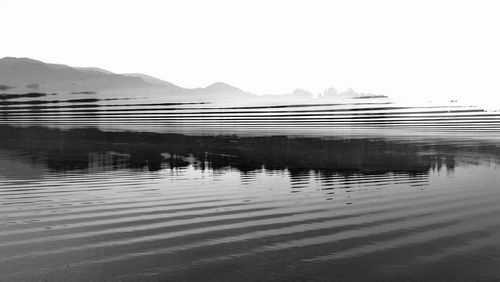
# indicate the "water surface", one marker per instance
pixel 87 205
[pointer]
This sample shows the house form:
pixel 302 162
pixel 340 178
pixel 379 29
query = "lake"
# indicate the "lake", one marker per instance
pixel 84 204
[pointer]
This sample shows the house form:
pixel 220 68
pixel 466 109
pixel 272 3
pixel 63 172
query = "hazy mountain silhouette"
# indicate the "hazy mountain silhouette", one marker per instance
pixel 221 90
pixel 19 72
pixel 90 69
pixel 152 80
pixel 23 75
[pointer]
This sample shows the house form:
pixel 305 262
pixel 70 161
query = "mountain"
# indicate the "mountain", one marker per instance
pixel 220 91
pixel 151 80
pixel 21 73
pixel 222 87
pixel 24 75
pixel 91 69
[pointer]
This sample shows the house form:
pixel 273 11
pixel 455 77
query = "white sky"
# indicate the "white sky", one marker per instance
pixel 437 49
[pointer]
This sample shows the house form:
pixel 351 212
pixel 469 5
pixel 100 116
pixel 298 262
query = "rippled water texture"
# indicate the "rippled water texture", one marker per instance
pixel 346 117
pixel 86 205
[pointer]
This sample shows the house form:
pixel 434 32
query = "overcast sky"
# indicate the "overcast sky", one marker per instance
pixel 438 49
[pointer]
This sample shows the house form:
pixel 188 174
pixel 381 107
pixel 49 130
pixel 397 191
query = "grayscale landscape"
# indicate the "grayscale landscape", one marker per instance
pixel 174 184
pixel 109 172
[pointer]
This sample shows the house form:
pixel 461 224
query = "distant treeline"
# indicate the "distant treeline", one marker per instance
pixel 62 150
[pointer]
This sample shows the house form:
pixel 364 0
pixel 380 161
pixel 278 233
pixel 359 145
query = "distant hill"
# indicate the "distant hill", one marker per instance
pixel 22 75
pixel 218 91
pixel 223 89
pixel 151 80
pixel 91 69
pixel 20 72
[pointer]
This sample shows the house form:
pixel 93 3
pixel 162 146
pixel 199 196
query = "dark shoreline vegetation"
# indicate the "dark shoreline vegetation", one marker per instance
pixel 42 102
pixel 4 87
pixel 9 96
pixel 84 92
pixel 67 150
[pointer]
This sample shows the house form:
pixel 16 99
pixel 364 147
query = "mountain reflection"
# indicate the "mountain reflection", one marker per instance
pixel 93 150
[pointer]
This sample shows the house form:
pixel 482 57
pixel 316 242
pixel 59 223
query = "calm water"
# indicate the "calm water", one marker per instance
pixel 86 205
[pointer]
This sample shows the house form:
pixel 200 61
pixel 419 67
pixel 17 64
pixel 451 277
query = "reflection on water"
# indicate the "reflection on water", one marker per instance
pixel 86 205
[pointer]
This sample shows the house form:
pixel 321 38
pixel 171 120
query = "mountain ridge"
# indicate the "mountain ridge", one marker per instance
pixel 20 72
pixel 25 74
